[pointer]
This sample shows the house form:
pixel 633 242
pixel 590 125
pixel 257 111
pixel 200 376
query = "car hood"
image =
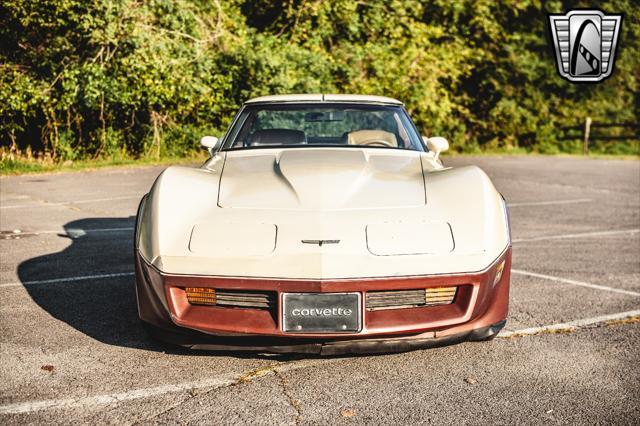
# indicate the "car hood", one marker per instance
pixel 321 179
pixel 297 223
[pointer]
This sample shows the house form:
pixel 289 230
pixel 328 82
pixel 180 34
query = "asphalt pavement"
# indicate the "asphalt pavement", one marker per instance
pixel 72 349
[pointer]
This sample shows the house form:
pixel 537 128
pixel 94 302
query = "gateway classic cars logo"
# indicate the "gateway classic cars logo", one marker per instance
pixel 585 44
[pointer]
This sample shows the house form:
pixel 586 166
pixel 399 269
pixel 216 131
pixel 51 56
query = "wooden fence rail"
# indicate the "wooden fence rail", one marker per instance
pixel 588 132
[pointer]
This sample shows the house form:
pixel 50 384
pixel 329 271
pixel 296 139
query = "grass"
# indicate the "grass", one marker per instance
pixel 29 165
pixel 20 166
pixel 497 153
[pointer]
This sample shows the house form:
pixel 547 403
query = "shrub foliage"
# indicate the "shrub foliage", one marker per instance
pixel 109 78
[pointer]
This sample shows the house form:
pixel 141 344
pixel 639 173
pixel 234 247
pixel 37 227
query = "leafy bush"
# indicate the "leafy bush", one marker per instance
pixel 121 78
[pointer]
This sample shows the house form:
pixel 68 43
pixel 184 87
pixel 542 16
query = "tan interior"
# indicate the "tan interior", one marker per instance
pixel 373 138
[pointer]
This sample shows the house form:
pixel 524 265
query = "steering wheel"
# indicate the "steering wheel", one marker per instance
pixel 378 142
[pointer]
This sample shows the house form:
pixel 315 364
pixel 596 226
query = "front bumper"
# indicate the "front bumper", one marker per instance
pixel 317 347
pixel 479 311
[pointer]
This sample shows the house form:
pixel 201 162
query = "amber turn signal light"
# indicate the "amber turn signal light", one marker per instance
pixel 201 295
pixel 439 295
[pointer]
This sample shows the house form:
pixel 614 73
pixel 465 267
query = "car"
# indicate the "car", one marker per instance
pixel 322 224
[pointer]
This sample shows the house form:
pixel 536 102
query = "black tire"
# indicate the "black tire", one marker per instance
pixel 488 338
pixel 487 334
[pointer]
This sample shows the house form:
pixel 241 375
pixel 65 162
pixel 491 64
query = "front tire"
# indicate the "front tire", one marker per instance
pixel 486 334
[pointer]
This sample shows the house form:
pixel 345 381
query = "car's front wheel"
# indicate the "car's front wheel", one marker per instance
pixel 487 334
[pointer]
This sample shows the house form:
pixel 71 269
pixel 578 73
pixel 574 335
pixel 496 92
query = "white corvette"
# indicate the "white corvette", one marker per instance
pixel 323 224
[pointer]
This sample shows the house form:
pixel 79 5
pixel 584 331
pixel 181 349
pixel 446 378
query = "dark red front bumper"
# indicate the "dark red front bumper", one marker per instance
pixel 479 310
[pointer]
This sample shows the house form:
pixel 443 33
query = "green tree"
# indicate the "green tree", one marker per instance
pixel 121 78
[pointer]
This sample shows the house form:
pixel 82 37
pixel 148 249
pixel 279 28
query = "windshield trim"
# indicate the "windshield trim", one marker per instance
pixel 314 145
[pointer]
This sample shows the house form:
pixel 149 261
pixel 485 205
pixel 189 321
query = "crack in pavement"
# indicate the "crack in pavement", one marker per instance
pixel 167 410
pixel 195 392
pixel 623 318
pixel 294 403
pixel 227 380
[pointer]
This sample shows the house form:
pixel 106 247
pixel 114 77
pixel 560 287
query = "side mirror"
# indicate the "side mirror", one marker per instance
pixel 210 143
pixel 437 144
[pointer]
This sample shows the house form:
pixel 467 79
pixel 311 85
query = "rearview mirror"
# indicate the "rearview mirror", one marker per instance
pixel 210 143
pixel 325 116
pixel 437 144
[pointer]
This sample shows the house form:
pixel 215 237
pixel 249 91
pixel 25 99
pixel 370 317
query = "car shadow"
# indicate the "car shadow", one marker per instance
pixel 103 308
pixel 99 299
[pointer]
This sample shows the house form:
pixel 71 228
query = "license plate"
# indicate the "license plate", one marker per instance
pixel 321 312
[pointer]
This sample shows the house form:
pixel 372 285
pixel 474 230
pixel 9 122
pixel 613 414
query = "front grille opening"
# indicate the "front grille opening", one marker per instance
pixel 401 299
pixel 231 298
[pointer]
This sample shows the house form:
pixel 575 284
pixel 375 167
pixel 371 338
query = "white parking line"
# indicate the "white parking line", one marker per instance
pixel 78 232
pixel 515 271
pixel 67 203
pixel 550 203
pixel 99 400
pixel 68 279
pixel 73 232
pixel 130 197
pixel 579 235
pixel 223 380
pixel 93 402
pixel 571 324
pixel 574 282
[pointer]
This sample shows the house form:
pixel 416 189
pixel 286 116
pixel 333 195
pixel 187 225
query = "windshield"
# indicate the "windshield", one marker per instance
pixel 304 125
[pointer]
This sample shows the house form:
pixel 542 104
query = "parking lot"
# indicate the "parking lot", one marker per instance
pixel 72 349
